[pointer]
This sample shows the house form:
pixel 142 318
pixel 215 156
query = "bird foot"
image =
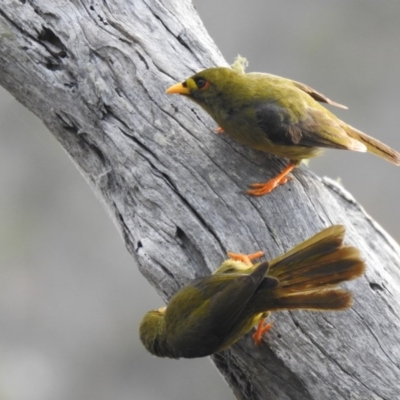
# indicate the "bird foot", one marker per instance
pixel 246 258
pixel 260 189
pixel 262 328
pixel 219 130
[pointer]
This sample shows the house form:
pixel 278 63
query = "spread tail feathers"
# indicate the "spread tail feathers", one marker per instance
pixel 309 273
pixel 320 262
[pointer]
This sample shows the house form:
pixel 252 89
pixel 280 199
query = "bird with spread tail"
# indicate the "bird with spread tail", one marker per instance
pixel 211 313
pixel 275 115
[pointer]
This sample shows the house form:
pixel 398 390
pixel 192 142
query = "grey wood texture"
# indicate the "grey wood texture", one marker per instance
pixel 95 73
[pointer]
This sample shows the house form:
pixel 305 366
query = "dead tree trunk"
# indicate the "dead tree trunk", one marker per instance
pixel 95 73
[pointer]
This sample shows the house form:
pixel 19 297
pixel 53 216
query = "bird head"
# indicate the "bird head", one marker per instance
pixel 152 332
pixel 209 87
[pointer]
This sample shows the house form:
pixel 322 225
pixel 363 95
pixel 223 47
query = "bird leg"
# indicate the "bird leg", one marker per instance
pixel 262 328
pixel 246 258
pixel 260 189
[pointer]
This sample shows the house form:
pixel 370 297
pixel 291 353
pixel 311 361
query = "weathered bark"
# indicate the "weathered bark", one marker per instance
pixel 95 73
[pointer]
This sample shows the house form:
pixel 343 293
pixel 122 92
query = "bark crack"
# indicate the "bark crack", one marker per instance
pixel 171 183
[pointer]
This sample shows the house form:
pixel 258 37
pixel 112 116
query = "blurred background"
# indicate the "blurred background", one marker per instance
pixel 69 291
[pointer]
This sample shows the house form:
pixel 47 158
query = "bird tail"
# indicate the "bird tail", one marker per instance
pixel 309 274
pixel 316 300
pixel 373 145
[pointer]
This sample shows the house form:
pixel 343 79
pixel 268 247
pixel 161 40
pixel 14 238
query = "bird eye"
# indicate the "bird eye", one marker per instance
pixel 201 83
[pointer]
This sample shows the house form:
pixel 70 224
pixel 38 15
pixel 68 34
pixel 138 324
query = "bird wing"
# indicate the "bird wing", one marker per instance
pixel 321 129
pixel 317 96
pixel 305 88
pixel 303 126
pixel 224 309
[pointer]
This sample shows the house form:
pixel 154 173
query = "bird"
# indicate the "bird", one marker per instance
pixel 211 313
pixel 275 115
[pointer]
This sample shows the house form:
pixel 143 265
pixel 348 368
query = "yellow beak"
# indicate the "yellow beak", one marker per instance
pixel 178 88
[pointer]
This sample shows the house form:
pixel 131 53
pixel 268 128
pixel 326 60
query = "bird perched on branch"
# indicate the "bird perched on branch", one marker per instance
pixel 212 313
pixel 275 115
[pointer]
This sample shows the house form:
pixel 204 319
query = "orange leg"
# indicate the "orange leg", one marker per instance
pixel 259 189
pixel 219 130
pixel 246 258
pixel 262 328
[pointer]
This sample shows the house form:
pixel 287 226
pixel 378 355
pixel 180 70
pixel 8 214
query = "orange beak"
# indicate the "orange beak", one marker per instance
pixel 178 88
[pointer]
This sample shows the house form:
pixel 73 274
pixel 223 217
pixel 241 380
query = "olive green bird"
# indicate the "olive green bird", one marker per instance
pixel 212 313
pixel 275 115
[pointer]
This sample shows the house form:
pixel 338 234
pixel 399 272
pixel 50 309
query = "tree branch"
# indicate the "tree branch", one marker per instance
pixel 95 73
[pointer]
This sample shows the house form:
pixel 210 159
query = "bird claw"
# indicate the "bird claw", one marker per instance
pixel 260 331
pixel 218 130
pixel 260 189
pixel 245 258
